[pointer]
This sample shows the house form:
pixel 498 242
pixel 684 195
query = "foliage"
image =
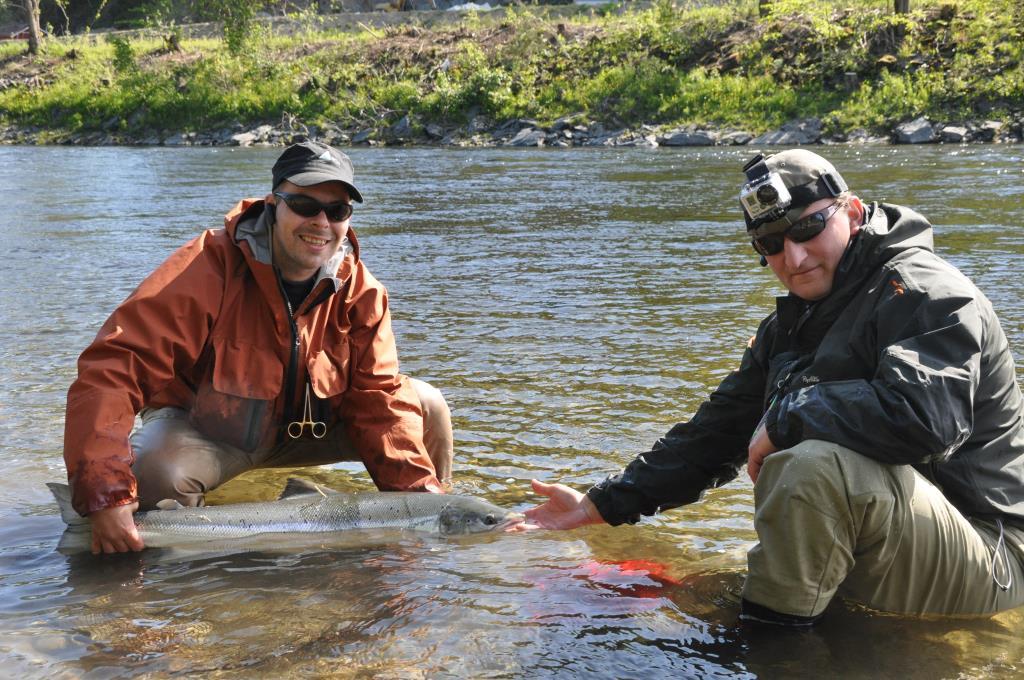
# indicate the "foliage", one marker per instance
pixel 124 56
pixel 9 49
pixel 471 82
pixel 150 14
pixel 855 66
pixel 238 19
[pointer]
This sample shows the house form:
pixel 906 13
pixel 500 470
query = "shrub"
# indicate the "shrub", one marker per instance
pixel 124 55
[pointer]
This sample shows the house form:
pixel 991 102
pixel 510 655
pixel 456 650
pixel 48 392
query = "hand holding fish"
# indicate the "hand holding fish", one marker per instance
pixel 113 530
pixel 566 508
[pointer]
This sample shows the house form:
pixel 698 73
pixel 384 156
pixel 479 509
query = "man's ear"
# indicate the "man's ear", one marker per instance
pixel 270 208
pixel 856 212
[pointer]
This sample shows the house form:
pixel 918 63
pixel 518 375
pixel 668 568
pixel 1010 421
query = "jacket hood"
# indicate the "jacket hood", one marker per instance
pixel 251 222
pixel 888 231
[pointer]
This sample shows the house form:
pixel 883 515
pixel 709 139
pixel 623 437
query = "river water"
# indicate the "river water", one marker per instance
pixel 572 305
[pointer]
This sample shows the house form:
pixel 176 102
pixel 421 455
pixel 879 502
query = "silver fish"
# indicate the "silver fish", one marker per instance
pixel 303 508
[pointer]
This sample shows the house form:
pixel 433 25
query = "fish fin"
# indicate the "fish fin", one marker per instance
pixel 169 504
pixel 73 541
pixel 302 487
pixel 62 494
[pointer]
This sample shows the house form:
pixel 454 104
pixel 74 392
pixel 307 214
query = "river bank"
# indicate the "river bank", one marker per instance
pixel 574 131
pixel 615 75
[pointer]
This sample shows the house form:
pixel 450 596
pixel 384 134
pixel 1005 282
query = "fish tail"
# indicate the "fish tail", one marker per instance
pixel 62 493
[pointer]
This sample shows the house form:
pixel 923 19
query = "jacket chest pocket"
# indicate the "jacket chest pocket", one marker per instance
pixel 329 378
pixel 235 400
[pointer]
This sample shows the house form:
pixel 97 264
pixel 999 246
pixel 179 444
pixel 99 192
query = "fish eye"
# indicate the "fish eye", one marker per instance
pixel 490 519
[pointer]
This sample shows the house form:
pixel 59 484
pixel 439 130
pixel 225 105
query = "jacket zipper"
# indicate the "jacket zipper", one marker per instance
pixel 289 410
pixel 801 320
pixel 780 385
pixel 293 367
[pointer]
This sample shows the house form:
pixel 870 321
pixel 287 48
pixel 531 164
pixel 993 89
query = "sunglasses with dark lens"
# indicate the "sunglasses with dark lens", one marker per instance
pixel 306 206
pixel 800 231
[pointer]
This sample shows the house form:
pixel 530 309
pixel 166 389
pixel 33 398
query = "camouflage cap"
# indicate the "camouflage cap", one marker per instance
pixel 807 176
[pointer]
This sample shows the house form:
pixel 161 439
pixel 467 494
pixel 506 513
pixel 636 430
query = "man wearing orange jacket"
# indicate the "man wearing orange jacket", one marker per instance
pixel 266 343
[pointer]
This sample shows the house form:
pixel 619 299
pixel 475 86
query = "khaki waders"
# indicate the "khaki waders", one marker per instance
pixel 833 522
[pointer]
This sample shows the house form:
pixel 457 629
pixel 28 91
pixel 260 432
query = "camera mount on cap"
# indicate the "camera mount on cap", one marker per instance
pixel 764 196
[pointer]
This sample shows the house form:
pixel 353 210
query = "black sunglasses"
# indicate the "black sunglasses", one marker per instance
pixel 306 206
pixel 802 230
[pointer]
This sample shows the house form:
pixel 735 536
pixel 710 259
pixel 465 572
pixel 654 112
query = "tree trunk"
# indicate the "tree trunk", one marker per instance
pixel 31 11
pixel 902 6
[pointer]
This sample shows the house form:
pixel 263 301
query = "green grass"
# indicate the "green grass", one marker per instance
pixel 855 65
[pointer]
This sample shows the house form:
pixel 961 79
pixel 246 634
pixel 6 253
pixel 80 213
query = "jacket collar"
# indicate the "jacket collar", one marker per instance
pixel 888 231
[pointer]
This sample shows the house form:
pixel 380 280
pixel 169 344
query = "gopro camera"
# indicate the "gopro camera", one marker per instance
pixel 764 196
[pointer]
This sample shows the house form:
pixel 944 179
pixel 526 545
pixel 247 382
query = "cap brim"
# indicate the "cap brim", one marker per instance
pixel 308 179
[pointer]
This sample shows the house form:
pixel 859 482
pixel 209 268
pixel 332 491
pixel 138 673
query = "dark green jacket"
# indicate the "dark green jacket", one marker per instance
pixel 904 362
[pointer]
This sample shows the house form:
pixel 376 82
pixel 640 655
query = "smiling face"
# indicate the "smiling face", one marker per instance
pixel 808 269
pixel 301 245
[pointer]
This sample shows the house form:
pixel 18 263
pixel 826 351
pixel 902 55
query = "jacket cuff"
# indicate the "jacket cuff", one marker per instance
pixel 103 484
pixel 88 501
pixel 605 504
pixel 432 485
pixel 776 431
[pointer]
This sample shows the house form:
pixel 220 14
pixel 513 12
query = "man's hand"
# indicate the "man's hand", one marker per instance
pixel 113 530
pixel 760 447
pixel 565 509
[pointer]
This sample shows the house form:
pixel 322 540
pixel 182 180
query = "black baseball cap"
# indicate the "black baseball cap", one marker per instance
pixel 308 163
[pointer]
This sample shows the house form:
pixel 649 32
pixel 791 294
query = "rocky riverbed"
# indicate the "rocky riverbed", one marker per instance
pixel 566 132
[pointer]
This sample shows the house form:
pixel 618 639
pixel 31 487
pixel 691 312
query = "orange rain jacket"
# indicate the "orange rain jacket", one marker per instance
pixel 209 332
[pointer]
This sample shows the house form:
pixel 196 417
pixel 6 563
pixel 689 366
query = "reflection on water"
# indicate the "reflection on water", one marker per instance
pixel 572 306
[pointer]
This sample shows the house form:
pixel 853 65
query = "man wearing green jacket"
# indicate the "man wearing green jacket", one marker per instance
pixel 876 410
